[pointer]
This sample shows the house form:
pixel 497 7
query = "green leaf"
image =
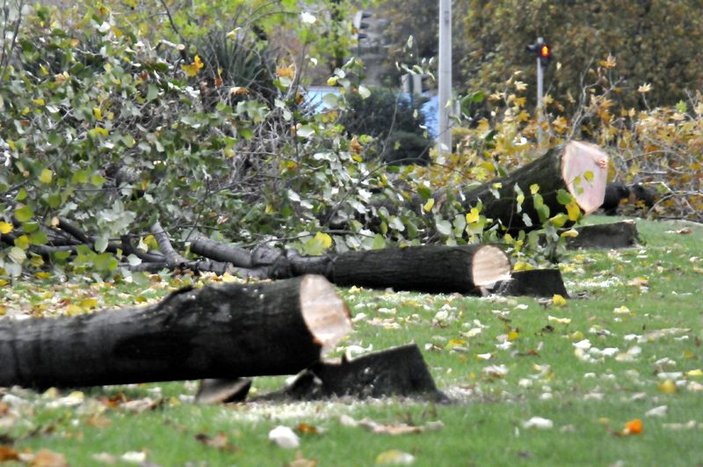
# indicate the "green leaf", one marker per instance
pixel 152 92
pixel 101 244
pixel 24 213
pixel 379 242
pixel 17 255
pixel 444 227
pixel 45 176
pixel 564 197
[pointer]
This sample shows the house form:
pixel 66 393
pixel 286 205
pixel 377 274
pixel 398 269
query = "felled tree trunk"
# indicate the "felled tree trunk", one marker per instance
pixel 215 332
pixel 577 167
pixel 430 268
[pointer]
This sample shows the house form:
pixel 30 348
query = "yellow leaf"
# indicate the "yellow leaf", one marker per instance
pixel 573 211
pixel 428 205
pixel 195 67
pixel 88 303
pixel 559 220
pixel 324 239
pixel 697 372
pixel 522 266
pixel 5 227
pixel 513 335
pixel 558 300
pixel 286 72
pixel 97 113
pixel 588 175
pixel 571 233
pixel 40 102
pixel 22 242
pixel 473 217
pixel 42 275
pixel 534 188
pixel 667 387
pixel 45 176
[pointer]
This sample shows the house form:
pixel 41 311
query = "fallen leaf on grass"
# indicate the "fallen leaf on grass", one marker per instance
pixel 44 458
pixel 284 437
pixel 393 429
pixel 690 425
pixel 307 429
pixel 219 441
pixel 659 411
pixel 134 457
pixel 539 423
pixel 633 427
pixel 104 458
pixel 554 319
pixel 395 457
pixel 8 454
pixel 558 300
pixel 301 461
pixel 667 387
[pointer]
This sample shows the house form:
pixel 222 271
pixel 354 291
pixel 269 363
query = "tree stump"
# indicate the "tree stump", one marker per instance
pixel 222 331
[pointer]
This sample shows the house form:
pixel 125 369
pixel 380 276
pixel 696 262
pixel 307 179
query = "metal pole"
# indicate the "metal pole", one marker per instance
pixel 540 96
pixel 444 141
pixel 540 93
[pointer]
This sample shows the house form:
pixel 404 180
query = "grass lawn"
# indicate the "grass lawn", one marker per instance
pixel 535 382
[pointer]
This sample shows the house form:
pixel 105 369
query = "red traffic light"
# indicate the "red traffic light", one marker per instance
pixel 541 50
pixel 545 52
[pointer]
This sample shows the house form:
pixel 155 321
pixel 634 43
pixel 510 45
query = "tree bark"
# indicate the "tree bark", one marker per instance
pixel 577 167
pixel 429 268
pixel 615 235
pixel 400 371
pixel 536 283
pixel 220 331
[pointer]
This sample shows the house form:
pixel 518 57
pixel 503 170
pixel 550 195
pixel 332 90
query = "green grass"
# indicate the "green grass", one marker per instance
pixel 588 402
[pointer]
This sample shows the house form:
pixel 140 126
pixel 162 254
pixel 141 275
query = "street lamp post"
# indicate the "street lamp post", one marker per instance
pixel 444 141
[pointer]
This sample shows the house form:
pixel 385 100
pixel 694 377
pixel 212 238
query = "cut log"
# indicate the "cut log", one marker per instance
pixel 535 283
pixel 577 167
pixel 223 331
pixel 615 235
pixel 400 371
pixel 430 268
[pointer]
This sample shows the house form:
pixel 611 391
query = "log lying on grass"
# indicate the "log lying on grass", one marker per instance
pixel 220 331
pixel 430 268
pixel 577 167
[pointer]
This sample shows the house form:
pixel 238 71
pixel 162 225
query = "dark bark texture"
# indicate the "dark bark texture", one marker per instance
pixel 215 332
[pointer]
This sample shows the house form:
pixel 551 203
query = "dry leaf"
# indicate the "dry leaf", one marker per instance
pixel 8 454
pixel 301 461
pixel 46 458
pixel 219 441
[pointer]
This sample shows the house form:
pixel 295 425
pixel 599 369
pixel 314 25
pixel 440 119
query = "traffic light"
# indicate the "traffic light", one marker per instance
pixel 541 50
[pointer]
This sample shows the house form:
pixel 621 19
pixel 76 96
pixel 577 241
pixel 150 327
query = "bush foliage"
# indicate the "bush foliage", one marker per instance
pixel 111 122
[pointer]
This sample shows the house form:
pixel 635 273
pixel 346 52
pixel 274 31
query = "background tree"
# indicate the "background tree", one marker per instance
pixel 653 42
